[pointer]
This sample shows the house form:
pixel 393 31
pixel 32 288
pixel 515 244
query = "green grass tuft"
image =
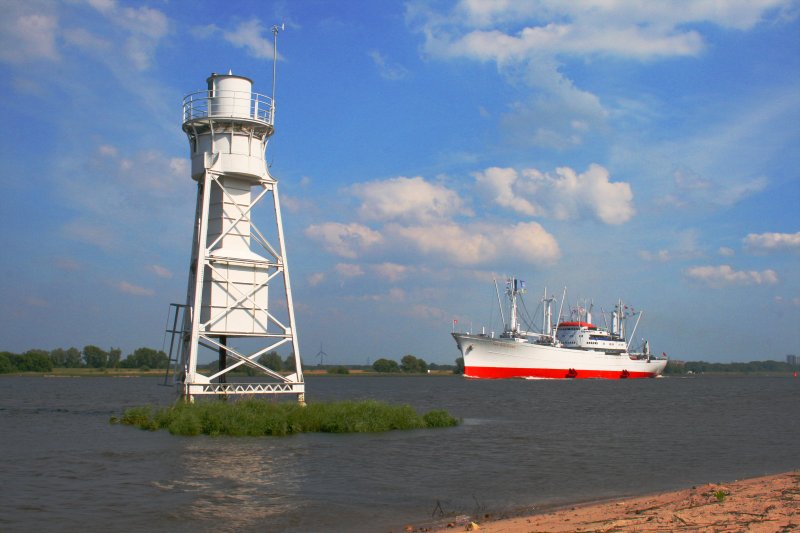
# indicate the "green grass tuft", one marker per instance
pixel 253 418
pixel 439 418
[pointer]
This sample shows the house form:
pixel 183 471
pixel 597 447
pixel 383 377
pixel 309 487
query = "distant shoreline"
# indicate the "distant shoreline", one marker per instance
pixel 138 373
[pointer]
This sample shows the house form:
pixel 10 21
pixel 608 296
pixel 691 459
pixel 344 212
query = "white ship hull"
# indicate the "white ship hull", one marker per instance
pixel 487 357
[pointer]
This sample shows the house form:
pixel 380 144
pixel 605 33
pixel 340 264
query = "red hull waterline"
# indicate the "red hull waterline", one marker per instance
pixel 490 372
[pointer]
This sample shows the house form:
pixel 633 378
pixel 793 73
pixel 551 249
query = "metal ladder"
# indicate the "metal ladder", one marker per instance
pixel 173 329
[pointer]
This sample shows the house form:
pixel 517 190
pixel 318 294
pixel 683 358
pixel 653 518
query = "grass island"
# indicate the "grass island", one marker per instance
pixel 254 417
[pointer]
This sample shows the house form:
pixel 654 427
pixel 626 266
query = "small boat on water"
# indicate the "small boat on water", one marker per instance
pixel 575 348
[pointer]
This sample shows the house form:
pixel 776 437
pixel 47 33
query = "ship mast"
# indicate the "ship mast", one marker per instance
pixel 618 320
pixel 547 319
pixel 513 294
pixel 515 286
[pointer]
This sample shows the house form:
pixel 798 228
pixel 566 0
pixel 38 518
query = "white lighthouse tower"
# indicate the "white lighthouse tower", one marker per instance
pixel 238 250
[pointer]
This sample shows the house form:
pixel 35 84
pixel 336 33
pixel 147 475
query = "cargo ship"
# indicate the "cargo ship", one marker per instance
pixel 568 349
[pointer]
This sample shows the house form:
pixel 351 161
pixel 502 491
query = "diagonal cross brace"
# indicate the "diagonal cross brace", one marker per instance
pixel 262 241
pixel 250 360
pixel 243 296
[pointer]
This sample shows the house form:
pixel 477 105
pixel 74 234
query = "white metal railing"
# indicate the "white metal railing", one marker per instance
pixel 248 388
pixel 228 104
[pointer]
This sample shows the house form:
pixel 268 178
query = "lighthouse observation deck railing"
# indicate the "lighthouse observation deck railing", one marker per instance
pixel 228 104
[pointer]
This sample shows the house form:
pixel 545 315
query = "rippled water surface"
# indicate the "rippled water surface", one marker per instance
pixel 522 444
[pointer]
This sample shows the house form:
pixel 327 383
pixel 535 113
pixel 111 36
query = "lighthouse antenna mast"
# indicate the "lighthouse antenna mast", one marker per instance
pixel 275 30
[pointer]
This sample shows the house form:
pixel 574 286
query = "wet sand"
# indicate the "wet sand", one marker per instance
pixel 768 504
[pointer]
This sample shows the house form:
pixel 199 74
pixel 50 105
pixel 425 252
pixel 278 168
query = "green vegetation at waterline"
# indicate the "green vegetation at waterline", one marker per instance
pixel 753 367
pixel 255 418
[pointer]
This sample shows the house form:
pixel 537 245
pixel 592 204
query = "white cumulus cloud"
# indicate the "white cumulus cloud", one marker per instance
pixel 723 275
pixel 411 199
pixel 480 243
pixel 628 28
pixel 529 40
pixel 563 195
pixel 346 240
pixel 502 185
pixel 530 241
pixel 144 28
pixel 249 35
pixel 447 239
pixel 27 36
pixel 136 290
pixel 572 38
pixel 772 242
pixel 391 271
pixel 349 270
pixel 160 271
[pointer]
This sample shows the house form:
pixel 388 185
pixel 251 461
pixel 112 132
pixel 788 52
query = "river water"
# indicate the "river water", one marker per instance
pixel 522 445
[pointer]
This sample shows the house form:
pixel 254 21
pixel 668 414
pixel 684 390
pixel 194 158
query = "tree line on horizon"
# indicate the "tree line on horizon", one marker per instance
pixel 91 356
pixel 411 364
pixel 144 358
pixel 700 367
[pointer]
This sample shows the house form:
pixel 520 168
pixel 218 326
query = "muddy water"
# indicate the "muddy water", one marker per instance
pixel 522 444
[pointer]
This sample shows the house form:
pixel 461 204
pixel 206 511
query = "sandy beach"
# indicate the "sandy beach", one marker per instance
pixel 768 504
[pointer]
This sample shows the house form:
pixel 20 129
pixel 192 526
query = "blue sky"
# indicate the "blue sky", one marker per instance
pixel 648 151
